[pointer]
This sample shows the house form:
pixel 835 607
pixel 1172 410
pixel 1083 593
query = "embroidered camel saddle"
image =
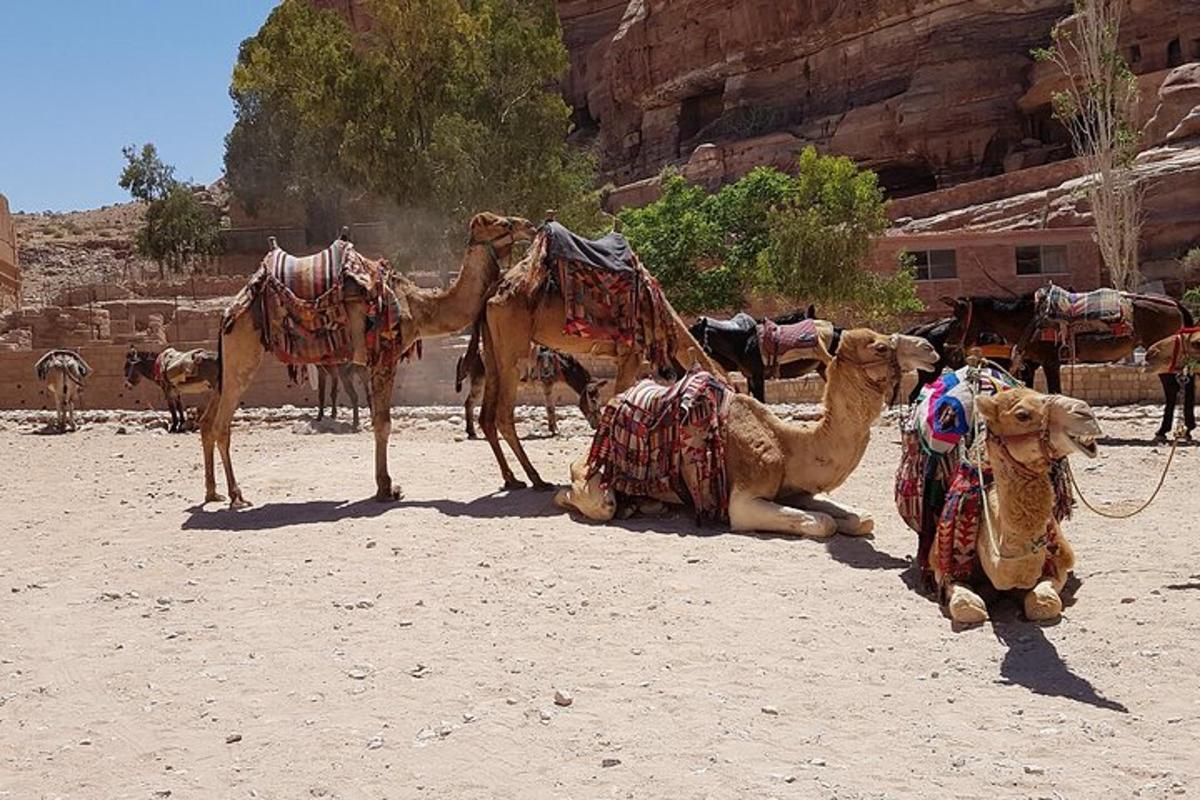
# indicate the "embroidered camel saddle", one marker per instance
pixel 656 439
pixel 1063 314
pixel 299 305
pixel 607 291
pixel 783 344
pixel 938 491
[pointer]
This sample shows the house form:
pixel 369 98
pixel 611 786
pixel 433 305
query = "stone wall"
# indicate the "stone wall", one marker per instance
pixel 10 273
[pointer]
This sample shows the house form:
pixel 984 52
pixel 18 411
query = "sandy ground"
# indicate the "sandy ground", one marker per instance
pixel 323 645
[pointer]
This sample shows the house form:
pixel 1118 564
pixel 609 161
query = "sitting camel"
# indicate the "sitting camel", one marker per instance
pixel 529 308
pixel 176 373
pixel 63 372
pixel 1019 545
pixel 778 472
pixel 423 313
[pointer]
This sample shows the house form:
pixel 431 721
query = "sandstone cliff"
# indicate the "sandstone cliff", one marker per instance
pixel 930 93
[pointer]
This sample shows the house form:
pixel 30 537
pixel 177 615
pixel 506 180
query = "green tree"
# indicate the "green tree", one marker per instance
pixel 443 105
pixel 178 227
pixel 145 176
pixel 804 237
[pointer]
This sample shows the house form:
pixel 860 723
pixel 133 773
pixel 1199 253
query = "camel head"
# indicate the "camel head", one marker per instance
pixel 897 351
pixel 500 232
pixel 1036 427
pixel 1174 352
pixel 590 404
pixel 586 496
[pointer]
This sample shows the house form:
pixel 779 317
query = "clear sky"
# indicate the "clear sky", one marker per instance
pixel 79 79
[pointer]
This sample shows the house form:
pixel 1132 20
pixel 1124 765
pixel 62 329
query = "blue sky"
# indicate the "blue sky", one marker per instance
pixel 79 79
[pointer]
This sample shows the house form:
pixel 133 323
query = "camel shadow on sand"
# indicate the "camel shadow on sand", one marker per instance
pixel 1031 660
pixel 272 516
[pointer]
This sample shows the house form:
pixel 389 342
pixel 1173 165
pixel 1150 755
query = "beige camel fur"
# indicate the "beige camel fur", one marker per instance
pixel 1174 352
pixel 427 314
pixel 517 317
pixel 779 472
pixel 1026 432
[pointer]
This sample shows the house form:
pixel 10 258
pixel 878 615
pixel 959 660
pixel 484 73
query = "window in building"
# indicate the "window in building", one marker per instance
pixel 1135 54
pixel 1045 259
pixel 1174 53
pixel 935 265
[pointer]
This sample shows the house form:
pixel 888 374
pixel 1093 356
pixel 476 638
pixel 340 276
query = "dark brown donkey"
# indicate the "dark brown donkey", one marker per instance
pixel 1154 318
pixel 548 368
pixel 333 375
pixel 176 373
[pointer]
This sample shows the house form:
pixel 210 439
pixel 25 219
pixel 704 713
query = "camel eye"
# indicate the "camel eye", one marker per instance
pixel 1022 415
pixel 880 348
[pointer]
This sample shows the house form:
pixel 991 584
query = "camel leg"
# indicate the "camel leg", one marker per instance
pixel 241 354
pixel 1042 601
pixel 850 520
pixel 964 606
pixel 551 412
pixel 506 336
pixel 383 377
pixel 473 394
pixel 321 383
pixel 750 513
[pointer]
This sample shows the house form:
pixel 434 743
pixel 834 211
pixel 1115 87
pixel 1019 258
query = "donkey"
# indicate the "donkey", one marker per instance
pixel 63 372
pixel 548 368
pixel 334 375
pixel 176 373
pixel 733 343
pixel 1154 318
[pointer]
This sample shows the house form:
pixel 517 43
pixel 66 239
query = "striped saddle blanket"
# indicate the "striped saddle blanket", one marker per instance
pixel 300 305
pixel 657 439
pixel 1100 311
pixel 780 344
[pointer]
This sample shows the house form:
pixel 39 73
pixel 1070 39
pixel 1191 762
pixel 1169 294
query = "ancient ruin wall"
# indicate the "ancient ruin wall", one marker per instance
pixel 10 273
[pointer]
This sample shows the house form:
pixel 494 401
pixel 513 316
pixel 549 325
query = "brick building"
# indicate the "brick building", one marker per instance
pixel 10 272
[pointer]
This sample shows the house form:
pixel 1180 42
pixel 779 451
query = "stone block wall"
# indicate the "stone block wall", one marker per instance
pixel 10 273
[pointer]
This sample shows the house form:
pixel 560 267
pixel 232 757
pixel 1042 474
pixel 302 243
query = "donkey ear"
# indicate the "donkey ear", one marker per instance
pixel 598 384
pixel 811 312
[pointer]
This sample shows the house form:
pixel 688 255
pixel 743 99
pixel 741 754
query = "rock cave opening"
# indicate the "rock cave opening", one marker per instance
pixel 906 179
pixel 698 112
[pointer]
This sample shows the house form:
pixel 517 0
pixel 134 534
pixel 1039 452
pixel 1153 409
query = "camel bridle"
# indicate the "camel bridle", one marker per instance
pixel 890 363
pixel 1177 350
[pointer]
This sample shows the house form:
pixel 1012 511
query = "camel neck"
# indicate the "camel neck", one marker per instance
pixel 1019 525
pixel 446 311
pixel 826 453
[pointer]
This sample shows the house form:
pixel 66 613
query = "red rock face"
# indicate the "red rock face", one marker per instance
pixel 931 93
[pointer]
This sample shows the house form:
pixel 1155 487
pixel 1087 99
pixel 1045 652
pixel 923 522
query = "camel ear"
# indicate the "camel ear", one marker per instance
pixel 987 406
pixel 604 382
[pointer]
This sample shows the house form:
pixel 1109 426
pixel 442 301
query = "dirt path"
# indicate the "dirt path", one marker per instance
pixel 369 651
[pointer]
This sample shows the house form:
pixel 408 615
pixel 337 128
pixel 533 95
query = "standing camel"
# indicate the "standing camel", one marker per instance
pixel 423 313
pixel 529 308
pixel 778 472
pixel 176 374
pixel 1154 318
pixel 63 372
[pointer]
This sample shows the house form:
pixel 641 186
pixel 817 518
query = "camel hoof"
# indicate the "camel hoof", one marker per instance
pixel 213 497
pixel 966 608
pixel 542 486
pixel 239 502
pixel 472 435
pixel 562 499
pixel 855 525
pixel 391 495
pixel 512 484
pixel 1043 603
pixel 822 526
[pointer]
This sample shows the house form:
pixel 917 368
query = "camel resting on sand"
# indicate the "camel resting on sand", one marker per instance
pixel 1020 545
pixel 423 313
pixel 777 471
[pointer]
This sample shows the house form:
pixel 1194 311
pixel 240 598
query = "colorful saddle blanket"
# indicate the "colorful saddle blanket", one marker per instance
pixel 1104 311
pixel 607 292
pixel 655 439
pixel 778 342
pixel 178 367
pixel 299 305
